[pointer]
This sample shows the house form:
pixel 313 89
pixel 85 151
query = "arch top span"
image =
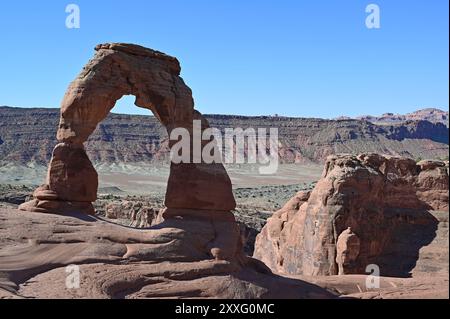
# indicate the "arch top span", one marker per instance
pixel 119 69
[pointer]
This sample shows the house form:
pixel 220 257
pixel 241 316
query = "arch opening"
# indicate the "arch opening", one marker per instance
pixel 132 183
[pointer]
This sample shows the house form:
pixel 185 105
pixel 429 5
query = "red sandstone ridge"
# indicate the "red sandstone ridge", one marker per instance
pixel 366 209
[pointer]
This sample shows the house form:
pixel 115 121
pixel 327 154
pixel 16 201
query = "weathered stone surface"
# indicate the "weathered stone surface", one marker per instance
pixel 153 78
pixel 137 213
pixel 71 183
pixel 57 207
pixel 175 259
pixel 124 69
pixel 71 174
pixel 202 186
pixel 347 250
pixel 354 286
pixel 273 234
pixel 385 200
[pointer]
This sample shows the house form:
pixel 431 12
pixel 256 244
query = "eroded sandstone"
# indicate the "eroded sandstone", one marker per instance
pixel 178 258
pixel 119 69
pixel 386 201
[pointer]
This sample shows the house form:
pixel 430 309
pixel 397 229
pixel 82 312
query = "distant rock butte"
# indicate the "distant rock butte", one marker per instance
pixel 365 209
pixel 432 115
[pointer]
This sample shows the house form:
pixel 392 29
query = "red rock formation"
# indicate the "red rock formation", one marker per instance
pixel 116 70
pixel 385 201
pixel 347 249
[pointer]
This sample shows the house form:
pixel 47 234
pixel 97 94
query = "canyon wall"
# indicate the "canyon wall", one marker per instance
pixel 28 136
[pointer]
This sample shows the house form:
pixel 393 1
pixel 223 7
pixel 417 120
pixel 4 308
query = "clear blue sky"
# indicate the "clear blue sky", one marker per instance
pixel 297 58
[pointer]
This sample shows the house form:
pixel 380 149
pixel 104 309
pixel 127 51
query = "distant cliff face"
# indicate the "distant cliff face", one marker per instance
pixel 432 115
pixel 29 135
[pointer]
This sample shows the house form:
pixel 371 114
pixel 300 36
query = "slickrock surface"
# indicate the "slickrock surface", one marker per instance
pixel 174 259
pixel 397 209
pixel 354 286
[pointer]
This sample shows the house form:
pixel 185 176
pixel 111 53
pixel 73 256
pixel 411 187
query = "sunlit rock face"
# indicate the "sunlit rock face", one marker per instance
pixel 386 201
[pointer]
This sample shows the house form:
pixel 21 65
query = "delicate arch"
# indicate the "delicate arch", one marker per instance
pixel 154 79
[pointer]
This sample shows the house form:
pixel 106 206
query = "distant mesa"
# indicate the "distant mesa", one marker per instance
pixel 110 190
pixel 433 115
pixel 137 139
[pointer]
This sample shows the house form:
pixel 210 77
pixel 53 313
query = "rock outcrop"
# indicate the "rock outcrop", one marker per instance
pixel 386 201
pixel 136 213
pixel 347 250
pixel 170 260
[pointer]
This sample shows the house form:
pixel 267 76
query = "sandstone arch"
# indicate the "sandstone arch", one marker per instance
pixel 119 69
